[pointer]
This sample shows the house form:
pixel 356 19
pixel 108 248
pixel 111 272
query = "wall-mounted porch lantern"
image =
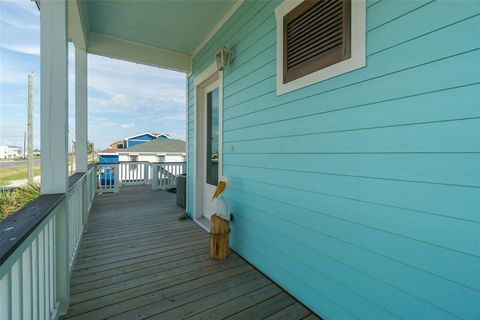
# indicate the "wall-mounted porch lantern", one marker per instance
pixel 223 58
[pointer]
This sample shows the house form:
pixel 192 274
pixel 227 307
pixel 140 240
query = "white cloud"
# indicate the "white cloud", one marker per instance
pixel 12 76
pixel 22 48
pixel 25 6
pixel 117 102
pixel 20 27
pixel 128 87
pixel 127 125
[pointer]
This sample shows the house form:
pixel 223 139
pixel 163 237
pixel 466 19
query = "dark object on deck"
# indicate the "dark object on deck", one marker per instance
pixel 181 190
pixel 182 216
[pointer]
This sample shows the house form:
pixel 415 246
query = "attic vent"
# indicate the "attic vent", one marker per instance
pixel 316 35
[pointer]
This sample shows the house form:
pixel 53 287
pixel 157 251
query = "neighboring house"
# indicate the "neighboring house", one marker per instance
pixel 3 152
pixel 129 142
pixel 110 155
pixel 10 152
pixel 116 145
pixel 165 150
pixel 138 139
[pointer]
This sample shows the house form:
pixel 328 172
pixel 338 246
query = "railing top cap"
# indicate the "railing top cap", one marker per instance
pixel 138 162
pixel 18 226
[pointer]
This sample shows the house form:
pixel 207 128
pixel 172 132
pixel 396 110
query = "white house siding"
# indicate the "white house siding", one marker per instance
pixel 7 152
pixel 152 157
pixel 3 152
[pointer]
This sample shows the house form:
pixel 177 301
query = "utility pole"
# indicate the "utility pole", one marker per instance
pixel 24 144
pixel 30 129
pixel 72 155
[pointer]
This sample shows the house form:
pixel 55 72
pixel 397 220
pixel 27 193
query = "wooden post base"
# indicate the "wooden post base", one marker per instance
pixel 219 233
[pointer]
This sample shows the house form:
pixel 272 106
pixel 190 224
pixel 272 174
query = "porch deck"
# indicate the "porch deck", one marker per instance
pixel 138 260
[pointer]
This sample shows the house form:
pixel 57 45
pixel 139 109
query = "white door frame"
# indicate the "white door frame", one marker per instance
pixel 209 75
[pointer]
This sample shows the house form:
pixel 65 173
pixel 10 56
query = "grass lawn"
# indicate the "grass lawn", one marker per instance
pixel 9 174
pixel 18 159
pixel 11 201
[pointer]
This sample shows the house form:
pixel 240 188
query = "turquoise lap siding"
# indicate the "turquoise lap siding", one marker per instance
pixel 360 195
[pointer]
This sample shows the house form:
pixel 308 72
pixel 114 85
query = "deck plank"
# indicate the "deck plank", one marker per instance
pixel 176 296
pixel 253 297
pixel 265 308
pixel 292 312
pixel 137 260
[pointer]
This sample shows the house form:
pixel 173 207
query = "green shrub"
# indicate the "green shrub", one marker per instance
pixel 11 201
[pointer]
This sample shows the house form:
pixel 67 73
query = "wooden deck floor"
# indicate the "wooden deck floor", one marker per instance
pixel 138 260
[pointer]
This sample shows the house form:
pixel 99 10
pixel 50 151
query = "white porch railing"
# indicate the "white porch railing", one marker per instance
pixel 134 173
pixel 110 176
pixel 107 177
pixel 164 174
pixel 38 249
pixel 91 186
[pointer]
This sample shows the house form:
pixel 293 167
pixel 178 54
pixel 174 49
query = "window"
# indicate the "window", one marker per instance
pixel 317 40
pixel 160 158
pixel 133 157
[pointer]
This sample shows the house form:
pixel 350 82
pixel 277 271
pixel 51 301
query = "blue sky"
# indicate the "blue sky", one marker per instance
pixel 124 98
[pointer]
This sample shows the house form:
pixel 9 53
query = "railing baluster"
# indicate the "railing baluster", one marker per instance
pixel 46 262
pixel 28 283
pixel 52 264
pixel 16 285
pixel 6 294
pixel 36 280
pixel 46 236
pixel 41 276
pixel 131 171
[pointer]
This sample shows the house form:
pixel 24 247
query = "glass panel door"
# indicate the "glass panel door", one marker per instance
pixel 212 137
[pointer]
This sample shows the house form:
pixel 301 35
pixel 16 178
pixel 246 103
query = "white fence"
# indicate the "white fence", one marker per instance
pixel 34 276
pixel 134 173
pixel 164 174
pixel 110 176
pixel 107 177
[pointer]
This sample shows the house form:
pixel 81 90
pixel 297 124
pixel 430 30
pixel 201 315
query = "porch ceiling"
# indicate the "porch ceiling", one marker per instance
pixel 164 33
pixel 177 26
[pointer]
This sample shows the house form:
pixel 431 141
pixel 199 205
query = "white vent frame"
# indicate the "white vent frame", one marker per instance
pixel 358 52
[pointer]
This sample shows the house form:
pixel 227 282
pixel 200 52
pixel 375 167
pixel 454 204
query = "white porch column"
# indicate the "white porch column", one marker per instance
pixel 81 110
pixel 54 96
